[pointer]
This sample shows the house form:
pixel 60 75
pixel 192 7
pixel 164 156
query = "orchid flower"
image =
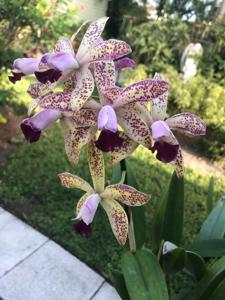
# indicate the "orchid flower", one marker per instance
pixel 116 107
pixel 108 197
pixel 57 66
pixel 33 126
pixel 165 143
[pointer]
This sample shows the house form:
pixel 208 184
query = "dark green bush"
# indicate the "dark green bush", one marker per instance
pixel 155 43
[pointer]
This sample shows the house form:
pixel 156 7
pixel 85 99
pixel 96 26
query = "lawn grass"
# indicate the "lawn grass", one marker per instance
pixel 30 188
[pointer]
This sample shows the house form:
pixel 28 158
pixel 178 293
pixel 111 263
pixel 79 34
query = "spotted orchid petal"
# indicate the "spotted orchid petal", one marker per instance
pixel 105 74
pixel 32 127
pixel 61 61
pixel 112 94
pixel 178 164
pixel 159 104
pixel 76 138
pixel 88 208
pixel 107 119
pixel 35 90
pixel 60 101
pixel 74 182
pixel 106 50
pixel 124 150
pixel 187 123
pixel 160 129
pixel 91 36
pixel 81 202
pixel 124 62
pixel 70 83
pixel 125 194
pixel 64 45
pixel 26 65
pixel 134 127
pixel 84 88
pixel 141 91
pixel 108 141
pixel 84 118
pixel 117 218
pixel 96 166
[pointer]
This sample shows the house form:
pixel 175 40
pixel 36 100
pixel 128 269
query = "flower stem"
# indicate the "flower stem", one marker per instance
pixel 160 250
pixel 131 234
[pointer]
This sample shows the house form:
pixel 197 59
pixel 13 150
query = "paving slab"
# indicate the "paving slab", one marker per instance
pixel 106 292
pixel 17 241
pixel 51 273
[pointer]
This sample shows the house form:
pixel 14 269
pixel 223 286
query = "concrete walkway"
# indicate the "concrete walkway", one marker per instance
pixel 32 267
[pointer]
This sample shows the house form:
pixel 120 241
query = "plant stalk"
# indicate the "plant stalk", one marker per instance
pixel 131 234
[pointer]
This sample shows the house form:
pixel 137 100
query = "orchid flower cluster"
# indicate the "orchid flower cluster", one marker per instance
pixel 121 119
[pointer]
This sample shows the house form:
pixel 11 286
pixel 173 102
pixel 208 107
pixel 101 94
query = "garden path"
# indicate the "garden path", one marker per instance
pixel 33 267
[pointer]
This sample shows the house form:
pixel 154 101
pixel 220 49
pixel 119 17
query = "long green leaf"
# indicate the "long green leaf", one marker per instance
pixel 119 283
pixel 209 202
pixel 168 219
pixel 208 284
pixel 208 248
pixel 173 261
pixel 219 293
pixel 143 276
pixel 195 264
pixel 214 225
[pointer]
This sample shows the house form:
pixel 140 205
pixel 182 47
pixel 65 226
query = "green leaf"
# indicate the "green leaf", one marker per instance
pixel 119 284
pixel 214 225
pixel 207 285
pixel 195 264
pixel 208 248
pixel 116 173
pixel 173 261
pixel 209 202
pixel 143 276
pixel 168 218
pixel 138 212
pixel 219 292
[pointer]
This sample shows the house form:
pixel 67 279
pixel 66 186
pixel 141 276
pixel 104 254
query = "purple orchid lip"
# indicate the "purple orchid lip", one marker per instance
pixel 165 151
pixel 125 62
pixel 15 77
pixel 51 75
pixel 108 141
pixel 83 229
pixel 31 133
pixel 32 127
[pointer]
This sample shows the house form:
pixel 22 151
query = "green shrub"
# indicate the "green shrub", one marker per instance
pixel 14 95
pixel 156 43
